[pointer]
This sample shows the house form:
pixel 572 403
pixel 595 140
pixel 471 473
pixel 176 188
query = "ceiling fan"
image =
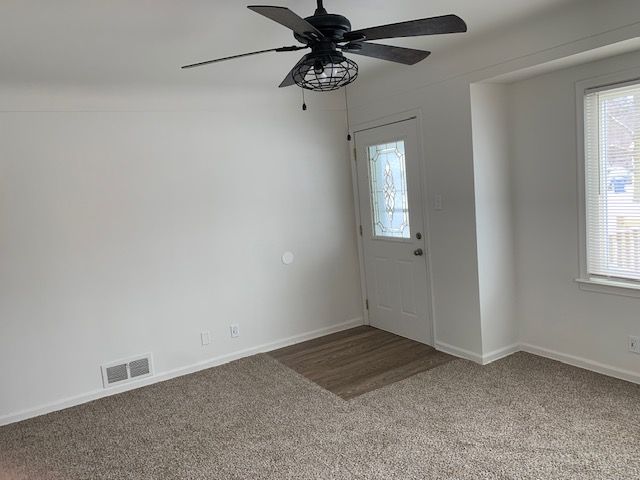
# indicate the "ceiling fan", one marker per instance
pixel 329 36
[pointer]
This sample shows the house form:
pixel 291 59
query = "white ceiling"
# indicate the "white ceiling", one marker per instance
pixel 143 42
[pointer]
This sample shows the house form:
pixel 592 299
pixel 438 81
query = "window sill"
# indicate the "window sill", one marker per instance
pixel 611 287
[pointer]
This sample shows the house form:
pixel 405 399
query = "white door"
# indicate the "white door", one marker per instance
pixel 392 217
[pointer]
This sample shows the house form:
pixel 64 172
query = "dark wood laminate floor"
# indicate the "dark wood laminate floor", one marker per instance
pixel 359 360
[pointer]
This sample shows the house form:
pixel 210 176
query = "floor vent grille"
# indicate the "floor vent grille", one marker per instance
pixel 124 371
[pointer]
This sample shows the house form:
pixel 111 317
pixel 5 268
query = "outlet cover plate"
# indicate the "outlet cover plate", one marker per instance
pixel 634 344
pixel 437 202
pixel 235 330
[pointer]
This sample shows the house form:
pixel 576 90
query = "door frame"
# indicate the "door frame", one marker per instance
pixel 407 115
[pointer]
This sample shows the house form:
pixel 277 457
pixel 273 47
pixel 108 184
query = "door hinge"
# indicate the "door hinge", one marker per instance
pixel 360 230
pixel 366 302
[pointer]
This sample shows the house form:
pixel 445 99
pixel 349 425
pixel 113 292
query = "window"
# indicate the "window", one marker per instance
pixel 612 182
pixel 389 197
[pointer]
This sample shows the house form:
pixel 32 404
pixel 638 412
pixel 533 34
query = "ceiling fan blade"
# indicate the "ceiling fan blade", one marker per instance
pixel 413 28
pixel 209 62
pixel 286 17
pixel 289 81
pixel 407 56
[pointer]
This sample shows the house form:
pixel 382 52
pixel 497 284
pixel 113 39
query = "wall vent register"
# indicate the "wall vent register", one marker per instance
pixel 125 371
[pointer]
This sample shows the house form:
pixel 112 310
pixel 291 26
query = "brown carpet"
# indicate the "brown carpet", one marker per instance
pixel 523 417
pixel 359 360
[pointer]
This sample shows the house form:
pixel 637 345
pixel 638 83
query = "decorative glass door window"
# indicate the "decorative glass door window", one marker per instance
pixel 389 195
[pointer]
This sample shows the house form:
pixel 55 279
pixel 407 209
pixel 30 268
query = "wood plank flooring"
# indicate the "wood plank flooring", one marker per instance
pixel 359 360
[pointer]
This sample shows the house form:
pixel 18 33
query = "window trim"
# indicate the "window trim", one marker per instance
pixel 585 281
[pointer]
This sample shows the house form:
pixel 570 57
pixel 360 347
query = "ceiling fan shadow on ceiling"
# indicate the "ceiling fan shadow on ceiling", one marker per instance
pixel 329 36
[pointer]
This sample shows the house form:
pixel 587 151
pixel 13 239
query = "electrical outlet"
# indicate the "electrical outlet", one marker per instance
pixel 634 344
pixel 206 338
pixel 235 330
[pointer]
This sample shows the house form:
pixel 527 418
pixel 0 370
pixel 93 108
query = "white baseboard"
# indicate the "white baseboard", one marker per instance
pixel 629 376
pixel 178 372
pixel 575 361
pixel 615 372
pixel 458 352
pixel 476 357
pixel 500 353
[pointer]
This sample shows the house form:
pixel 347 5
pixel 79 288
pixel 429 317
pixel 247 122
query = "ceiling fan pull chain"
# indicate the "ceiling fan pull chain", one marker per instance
pixel 346 104
pixel 304 103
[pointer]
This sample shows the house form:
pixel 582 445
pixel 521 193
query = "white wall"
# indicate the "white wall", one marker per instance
pixel 129 223
pixel 554 313
pixel 440 87
pixel 494 226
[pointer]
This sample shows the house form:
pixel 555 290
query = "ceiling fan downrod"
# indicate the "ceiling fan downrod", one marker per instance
pixel 320 10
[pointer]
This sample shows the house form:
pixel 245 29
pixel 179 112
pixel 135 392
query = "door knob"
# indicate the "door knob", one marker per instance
pixel 418 252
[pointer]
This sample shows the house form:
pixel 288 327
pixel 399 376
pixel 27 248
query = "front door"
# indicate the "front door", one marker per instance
pixel 391 212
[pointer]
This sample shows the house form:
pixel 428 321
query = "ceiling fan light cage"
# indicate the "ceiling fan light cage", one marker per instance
pixel 325 73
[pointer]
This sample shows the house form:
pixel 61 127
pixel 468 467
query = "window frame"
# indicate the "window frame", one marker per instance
pixel 586 281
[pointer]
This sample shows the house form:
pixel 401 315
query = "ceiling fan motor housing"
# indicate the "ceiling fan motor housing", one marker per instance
pixel 332 26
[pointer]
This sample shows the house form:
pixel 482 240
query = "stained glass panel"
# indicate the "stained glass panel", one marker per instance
pixel 389 197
